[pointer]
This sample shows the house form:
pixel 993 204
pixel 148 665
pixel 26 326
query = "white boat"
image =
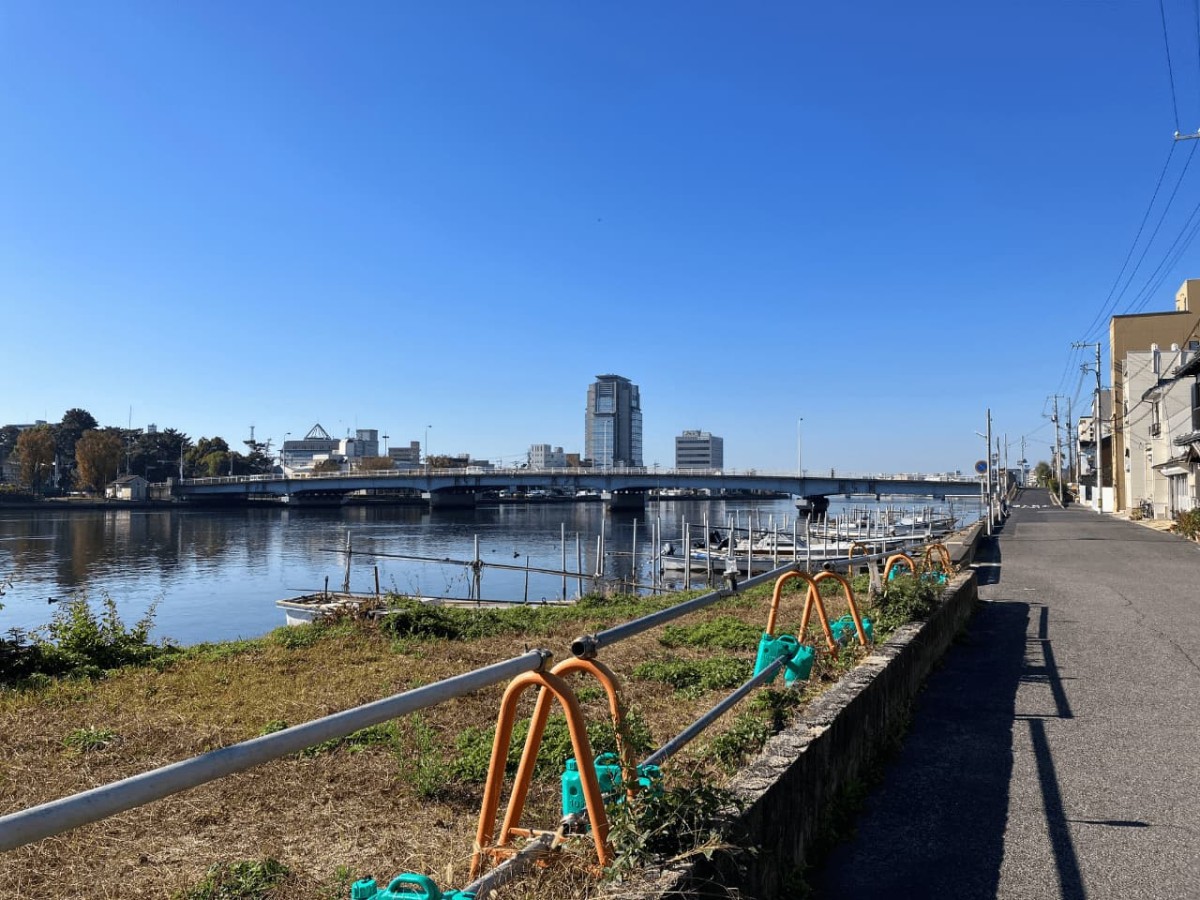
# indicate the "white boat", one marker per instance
pixel 309 607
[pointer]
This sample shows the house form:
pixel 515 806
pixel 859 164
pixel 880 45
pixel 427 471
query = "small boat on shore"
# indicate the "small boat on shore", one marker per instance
pixel 308 608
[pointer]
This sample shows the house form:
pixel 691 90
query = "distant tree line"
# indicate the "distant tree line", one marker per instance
pixel 78 454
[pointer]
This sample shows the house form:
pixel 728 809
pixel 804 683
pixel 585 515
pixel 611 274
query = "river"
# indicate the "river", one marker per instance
pixel 213 575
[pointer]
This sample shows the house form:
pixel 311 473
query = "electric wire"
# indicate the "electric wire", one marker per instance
pixel 1105 306
pixel 1168 263
pixel 1170 70
pixel 1161 218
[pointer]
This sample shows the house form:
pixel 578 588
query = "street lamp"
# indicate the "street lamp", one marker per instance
pixel 426 448
pixel 283 451
pixel 799 449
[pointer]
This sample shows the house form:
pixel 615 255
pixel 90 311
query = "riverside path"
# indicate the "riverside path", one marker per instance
pixel 1056 751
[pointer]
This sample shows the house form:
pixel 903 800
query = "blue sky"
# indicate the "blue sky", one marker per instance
pixel 881 218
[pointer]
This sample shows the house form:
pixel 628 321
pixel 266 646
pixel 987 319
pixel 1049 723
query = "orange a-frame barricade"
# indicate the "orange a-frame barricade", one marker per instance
pixel 556 686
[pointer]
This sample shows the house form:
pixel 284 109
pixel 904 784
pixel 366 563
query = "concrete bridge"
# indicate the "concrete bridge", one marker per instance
pixel 620 488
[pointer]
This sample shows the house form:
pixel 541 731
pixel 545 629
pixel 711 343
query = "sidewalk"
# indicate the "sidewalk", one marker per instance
pixel 1056 752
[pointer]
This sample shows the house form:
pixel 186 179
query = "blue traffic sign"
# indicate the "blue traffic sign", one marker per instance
pixel 981 467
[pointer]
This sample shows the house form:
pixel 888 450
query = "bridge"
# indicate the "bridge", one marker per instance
pixel 620 488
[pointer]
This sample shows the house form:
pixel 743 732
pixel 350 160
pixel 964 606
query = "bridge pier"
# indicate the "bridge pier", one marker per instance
pixel 624 501
pixel 812 506
pixel 450 499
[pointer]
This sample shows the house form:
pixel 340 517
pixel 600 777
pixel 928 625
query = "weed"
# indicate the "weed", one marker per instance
pixel 88 740
pixel 679 822
pixel 386 734
pixel 723 632
pixel 425 768
pixel 250 880
pixel 744 737
pixel 696 676
pixel 904 599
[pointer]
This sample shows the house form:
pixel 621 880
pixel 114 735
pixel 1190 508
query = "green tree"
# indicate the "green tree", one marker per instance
pixel 327 465
pixel 97 459
pixel 8 440
pixel 155 455
pixel 74 423
pixel 375 463
pixel 36 449
pixel 1043 474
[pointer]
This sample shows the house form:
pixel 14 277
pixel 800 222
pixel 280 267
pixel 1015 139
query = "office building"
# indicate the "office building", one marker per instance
pixel 543 456
pixel 699 450
pixel 612 434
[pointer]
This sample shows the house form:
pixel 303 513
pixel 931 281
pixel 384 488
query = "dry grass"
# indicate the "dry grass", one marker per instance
pixel 329 817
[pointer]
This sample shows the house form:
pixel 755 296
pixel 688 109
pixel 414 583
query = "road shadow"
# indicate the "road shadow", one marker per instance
pixel 935 825
pixel 988 559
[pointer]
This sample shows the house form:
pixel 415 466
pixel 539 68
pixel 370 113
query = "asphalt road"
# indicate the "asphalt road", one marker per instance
pixel 1056 751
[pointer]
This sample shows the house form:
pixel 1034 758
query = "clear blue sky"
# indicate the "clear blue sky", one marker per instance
pixel 880 217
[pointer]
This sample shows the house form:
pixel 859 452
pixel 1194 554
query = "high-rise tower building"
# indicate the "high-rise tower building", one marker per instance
pixel 612 434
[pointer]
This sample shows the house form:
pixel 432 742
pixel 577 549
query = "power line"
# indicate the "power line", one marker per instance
pixel 1158 225
pixel 1104 307
pixel 1170 70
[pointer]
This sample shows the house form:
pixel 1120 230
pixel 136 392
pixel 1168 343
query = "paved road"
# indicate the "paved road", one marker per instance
pixel 1056 752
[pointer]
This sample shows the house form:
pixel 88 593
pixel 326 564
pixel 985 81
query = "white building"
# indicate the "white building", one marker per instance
pixel 543 456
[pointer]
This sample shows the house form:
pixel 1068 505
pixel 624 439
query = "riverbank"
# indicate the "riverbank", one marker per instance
pixel 402 797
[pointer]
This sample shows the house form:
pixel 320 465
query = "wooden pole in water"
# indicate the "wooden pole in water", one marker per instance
pixel 563 534
pixel 579 561
pixel 526 577
pixel 377 581
pixel 687 558
pixel 346 580
pixel 633 570
pixel 708 553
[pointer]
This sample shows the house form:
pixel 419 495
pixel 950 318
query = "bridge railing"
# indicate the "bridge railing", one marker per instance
pixel 530 474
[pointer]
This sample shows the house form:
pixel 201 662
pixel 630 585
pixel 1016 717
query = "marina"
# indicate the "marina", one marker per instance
pixel 211 575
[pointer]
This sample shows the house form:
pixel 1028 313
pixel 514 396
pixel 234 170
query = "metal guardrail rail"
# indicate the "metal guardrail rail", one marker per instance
pixel 35 823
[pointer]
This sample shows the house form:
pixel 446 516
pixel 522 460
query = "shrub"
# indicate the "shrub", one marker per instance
pixel 673 824
pixel 905 598
pixel 1188 524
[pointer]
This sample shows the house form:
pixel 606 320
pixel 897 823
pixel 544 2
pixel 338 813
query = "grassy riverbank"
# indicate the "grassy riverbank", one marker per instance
pixel 400 797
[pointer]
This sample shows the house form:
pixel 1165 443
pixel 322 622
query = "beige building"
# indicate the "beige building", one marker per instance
pixel 1139 332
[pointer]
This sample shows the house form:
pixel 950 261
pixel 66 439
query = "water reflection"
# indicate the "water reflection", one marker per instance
pixel 215 574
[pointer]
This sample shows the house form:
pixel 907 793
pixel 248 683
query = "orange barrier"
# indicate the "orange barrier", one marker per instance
pixel 849 591
pixel 898 559
pixel 593 799
pixel 943 554
pixel 537 727
pixel 813 598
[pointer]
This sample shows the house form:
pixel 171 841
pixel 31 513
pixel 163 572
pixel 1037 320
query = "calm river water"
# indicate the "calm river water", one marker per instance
pixel 216 574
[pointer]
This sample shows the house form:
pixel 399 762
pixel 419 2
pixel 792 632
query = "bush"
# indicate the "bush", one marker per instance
pixel 905 598
pixel 80 643
pixel 1188 524
pixel 697 676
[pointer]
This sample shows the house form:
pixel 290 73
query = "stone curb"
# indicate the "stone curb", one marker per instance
pixel 788 789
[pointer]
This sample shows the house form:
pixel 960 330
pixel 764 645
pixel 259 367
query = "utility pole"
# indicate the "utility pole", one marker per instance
pixel 1068 437
pixel 1057 452
pixel 1097 431
pixel 990 475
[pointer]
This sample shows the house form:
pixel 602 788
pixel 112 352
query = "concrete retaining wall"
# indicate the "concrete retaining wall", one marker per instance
pixel 787 791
